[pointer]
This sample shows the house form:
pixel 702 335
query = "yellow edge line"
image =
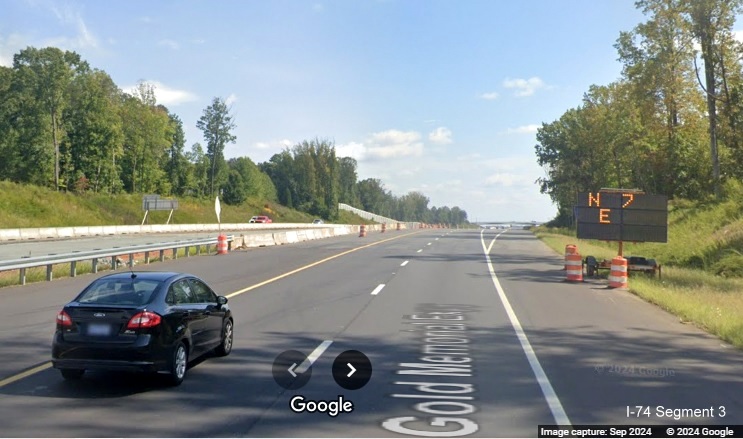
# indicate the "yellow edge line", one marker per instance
pixel 37 369
pixel 266 282
pixel 22 375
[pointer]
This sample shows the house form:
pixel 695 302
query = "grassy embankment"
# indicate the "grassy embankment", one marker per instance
pixel 23 206
pixel 702 280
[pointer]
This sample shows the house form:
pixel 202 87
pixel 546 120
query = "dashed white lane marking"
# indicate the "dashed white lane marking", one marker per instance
pixel 377 289
pixel 306 364
pixel 404 263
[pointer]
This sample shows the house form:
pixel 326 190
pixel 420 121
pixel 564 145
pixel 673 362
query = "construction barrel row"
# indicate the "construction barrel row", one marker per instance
pixel 574 268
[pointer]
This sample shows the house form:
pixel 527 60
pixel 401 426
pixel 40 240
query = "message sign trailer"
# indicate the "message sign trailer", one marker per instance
pixel 622 215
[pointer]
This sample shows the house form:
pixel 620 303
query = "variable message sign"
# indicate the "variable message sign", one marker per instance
pixel 622 216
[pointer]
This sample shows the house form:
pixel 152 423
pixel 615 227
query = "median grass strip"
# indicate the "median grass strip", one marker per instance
pixel 710 302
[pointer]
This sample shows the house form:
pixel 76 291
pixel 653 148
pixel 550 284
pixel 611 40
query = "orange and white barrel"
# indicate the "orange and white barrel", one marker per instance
pixel 362 231
pixel 569 249
pixel 222 245
pixel 618 275
pixel 573 267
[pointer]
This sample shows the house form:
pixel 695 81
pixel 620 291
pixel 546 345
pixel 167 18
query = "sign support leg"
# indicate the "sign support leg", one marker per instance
pixel 621 249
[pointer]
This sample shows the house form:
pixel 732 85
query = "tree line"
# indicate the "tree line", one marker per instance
pixel 671 124
pixel 68 126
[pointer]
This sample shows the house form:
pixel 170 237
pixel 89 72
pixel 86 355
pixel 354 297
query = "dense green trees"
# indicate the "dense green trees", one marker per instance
pixel 67 126
pixel 670 124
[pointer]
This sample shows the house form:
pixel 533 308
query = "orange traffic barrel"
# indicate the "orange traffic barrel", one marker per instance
pixel 362 231
pixel 569 249
pixel 618 275
pixel 222 245
pixel 573 267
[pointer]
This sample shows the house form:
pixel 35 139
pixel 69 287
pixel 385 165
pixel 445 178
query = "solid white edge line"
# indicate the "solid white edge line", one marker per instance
pixel 404 263
pixel 377 289
pixel 306 364
pixel 553 401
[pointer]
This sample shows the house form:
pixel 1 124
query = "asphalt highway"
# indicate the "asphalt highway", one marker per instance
pixel 468 332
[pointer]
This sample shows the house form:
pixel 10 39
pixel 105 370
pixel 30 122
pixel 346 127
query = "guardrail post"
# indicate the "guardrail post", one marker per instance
pixel 113 262
pixel 188 251
pixel 131 260
pixel 73 268
pixel 49 272
pixel 198 250
pixel 147 257
pixel 162 255
pixel 175 254
pixel 95 265
pixel 23 276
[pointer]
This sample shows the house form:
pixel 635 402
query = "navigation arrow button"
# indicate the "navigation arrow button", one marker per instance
pixel 287 373
pixel 360 370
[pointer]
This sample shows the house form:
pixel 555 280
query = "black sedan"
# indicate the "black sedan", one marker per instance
pixel 141 321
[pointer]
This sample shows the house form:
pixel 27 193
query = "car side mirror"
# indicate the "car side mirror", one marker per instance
pixel 221 300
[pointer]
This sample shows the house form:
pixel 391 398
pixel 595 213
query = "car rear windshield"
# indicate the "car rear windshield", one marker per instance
pixel 134 292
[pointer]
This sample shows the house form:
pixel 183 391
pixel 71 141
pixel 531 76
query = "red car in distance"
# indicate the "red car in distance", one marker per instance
pixel 260 219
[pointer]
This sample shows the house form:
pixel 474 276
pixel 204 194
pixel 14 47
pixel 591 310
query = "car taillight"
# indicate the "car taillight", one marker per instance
pixel 64 320
pixel 144 319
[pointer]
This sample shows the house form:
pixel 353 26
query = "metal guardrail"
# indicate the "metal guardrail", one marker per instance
pixel 73 258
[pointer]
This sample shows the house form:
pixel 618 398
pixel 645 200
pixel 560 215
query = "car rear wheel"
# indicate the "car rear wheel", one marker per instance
pixel 178 364
pixel 225 347
pixel 72 374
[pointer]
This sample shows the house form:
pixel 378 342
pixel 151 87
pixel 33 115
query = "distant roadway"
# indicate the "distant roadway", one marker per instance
pixel 468 335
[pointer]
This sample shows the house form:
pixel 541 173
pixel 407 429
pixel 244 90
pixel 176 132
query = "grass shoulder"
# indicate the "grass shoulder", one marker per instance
pixel 706 300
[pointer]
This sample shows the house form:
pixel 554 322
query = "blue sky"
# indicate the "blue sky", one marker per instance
pixel 442 97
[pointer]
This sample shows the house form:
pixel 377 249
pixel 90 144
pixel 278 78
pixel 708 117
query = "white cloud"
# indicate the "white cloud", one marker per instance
pixel 9 46
pixel 394 144
pixel 440 135
pixel 170 44
pixel 231 99
pixel 84 38
pixel 524 129
pixel 388 144
pixel 278 145
pixel 166 95
pixel 489 96
pixel 524 87
pixel 351 149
